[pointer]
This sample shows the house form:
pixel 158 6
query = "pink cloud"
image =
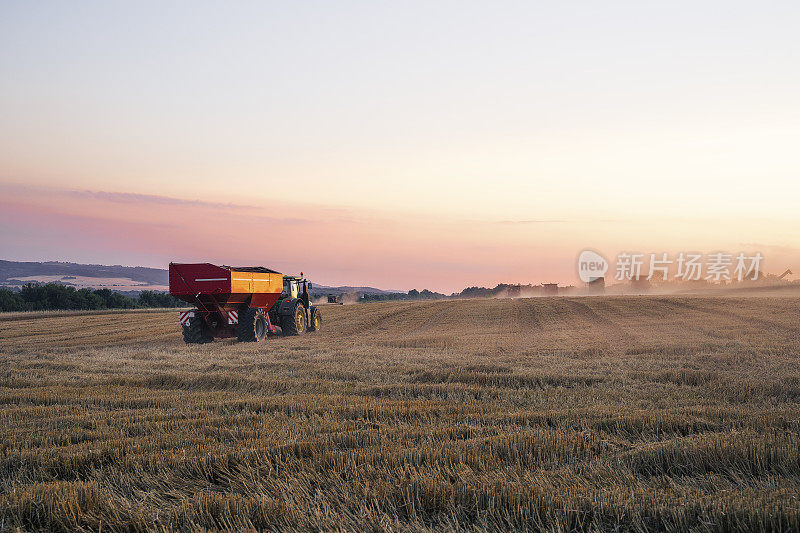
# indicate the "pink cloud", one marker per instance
pixel 333 245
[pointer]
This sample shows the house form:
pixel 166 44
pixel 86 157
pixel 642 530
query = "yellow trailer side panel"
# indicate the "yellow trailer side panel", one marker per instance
pixel 255 282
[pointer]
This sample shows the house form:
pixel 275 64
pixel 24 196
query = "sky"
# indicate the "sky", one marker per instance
pixel 399 144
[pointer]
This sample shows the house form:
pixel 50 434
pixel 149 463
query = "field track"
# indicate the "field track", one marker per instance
pixel 554 413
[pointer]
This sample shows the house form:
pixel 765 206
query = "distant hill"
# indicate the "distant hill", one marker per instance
pixel 115 277
pixel 16 269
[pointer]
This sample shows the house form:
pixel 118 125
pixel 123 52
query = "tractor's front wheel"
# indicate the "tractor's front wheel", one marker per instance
pixel 252 326
pixel 316 319
pixel 295 324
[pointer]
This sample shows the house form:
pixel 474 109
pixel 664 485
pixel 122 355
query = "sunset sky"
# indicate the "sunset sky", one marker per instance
pixel 407 144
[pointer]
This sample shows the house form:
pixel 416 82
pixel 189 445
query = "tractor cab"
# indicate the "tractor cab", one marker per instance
pixel 294 287
pixel 291 287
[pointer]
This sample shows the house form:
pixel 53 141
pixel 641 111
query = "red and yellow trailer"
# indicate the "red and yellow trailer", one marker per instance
pixel 229 301
pixel 244 302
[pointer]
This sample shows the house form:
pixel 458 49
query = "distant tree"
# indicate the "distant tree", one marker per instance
pixel 476 292
pixel 10 301
pixel 158 299
pixel 55 296
pixel 430 295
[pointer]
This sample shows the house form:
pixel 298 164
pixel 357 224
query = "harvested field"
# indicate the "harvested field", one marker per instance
pixel 550 413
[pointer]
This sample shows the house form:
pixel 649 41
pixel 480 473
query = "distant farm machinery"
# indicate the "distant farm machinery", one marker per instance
pixel 248 303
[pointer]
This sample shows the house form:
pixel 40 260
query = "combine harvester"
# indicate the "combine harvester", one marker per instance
pixel 243 302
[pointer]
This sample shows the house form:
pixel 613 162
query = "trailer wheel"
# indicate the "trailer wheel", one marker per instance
pixel 316 319
pixel 295 324
pixel 197 331
pixel 252 325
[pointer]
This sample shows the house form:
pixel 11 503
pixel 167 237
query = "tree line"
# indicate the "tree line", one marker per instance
pixel 502 289
pixel 54 296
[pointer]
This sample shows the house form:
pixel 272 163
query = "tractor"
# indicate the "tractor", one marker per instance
pixel 248 303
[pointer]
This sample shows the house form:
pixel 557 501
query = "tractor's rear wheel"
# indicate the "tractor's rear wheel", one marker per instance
pixel 316 319
pixel 252 325
pixel 295 324
pixel 197 331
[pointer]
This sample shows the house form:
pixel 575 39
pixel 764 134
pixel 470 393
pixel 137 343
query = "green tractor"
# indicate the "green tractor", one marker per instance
pixel 293 311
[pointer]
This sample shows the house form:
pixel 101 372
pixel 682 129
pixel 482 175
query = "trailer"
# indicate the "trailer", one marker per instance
pixel 249 303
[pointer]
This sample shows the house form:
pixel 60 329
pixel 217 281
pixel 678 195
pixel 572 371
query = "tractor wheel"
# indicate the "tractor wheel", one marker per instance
pixel 316 319
pixel 252 325
pixel 197 331
pixel 295 324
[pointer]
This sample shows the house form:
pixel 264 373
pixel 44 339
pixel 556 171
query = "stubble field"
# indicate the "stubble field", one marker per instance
pixel 549 413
